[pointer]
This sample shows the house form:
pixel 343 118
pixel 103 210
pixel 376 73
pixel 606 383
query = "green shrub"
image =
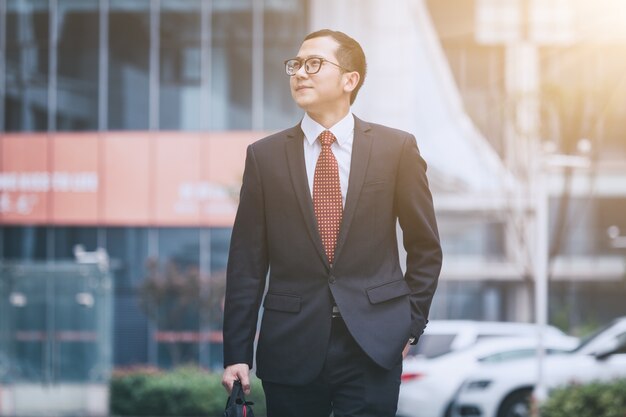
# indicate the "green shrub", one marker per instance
pixel 597 399
pixel 186 391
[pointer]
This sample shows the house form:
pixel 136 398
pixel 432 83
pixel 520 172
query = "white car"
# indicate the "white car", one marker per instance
pixel 443 336
pixel 429 385
pixel 504 390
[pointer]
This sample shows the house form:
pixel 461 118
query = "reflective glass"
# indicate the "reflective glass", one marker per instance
pixel 27 310
pixel 128 249
pixel 27 60
pixel 180 65
pixel 77 96
pixel 285 26
pixel 172 295
pixel 67 238
pixel 24 243
pixel 73 300
pixel 461 238
pixel 129 64
pixel 56 322
pixel 231 65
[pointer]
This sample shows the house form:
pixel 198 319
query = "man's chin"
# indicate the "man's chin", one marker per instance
pixel 304 104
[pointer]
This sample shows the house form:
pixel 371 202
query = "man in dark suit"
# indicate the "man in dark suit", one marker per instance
pixel 318 209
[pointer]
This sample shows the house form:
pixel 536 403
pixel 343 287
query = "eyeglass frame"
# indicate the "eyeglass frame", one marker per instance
pixel 303 62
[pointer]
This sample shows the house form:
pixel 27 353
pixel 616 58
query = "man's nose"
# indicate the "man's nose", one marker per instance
pixel 301 73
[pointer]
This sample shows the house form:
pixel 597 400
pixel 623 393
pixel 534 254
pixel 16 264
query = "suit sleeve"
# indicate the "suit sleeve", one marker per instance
pixel 247 268
pixel 414 207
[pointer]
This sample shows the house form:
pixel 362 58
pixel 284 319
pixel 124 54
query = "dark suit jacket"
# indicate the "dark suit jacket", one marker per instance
pixel 275 229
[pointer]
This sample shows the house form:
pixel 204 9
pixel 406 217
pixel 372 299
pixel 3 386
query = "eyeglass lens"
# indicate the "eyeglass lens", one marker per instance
pixel 311 65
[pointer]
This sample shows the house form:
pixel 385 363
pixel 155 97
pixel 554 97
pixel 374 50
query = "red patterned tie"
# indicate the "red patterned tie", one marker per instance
pixel 327 195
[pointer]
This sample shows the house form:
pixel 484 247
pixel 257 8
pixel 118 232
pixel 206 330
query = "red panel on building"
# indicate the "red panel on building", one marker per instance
pixel 25 178
pixel 75 179
pixel 125 178
pixel 177 172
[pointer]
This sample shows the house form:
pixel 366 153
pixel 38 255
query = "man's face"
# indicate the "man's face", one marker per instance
pixel 324 90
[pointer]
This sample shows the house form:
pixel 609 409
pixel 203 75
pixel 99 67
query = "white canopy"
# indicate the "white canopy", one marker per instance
pixel 410 86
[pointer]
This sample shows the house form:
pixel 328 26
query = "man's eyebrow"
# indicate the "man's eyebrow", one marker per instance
pixel 310 56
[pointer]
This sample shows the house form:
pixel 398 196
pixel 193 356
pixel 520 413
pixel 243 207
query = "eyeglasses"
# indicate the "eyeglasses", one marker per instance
pixel 312 65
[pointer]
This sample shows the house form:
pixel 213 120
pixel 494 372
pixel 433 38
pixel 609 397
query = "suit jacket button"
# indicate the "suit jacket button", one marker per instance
pixel 331 279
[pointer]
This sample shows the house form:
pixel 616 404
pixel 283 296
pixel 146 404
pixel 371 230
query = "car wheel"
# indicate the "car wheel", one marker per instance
pixel 516 404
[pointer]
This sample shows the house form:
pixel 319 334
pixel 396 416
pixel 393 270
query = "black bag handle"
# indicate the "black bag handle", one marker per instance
pixel 236 405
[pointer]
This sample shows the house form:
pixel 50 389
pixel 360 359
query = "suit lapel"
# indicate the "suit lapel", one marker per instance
pixel 361 147
pixel 295 158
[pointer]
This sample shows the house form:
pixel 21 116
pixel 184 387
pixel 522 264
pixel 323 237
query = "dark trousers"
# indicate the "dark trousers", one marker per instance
pixel 350 385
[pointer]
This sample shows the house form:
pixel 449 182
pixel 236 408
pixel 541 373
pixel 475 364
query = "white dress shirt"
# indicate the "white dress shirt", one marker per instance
pixel 342 148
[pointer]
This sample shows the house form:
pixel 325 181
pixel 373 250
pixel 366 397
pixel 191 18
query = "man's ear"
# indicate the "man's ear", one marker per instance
pixel 350 81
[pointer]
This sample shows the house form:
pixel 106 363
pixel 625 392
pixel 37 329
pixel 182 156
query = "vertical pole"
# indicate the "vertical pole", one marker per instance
pixel 27 64
pixel 205 66
pixel 3 67
pixel 541 275
pixel 103 105
pixel 204 348
pixel 153 253
pixel 52 127
pixel 103 67
pixel 257 64
pixel 155 30
pixel 52 65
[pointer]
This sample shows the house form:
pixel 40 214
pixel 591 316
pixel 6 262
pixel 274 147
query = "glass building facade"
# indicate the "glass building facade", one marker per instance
pixel 86 65
pixel 202 66
pixel 580 50
pixel 146 65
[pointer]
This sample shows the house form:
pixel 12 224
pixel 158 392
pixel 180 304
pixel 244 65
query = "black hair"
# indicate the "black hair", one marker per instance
pixel 349 54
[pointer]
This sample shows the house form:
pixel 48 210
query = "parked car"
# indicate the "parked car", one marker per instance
pixel 428 386
pixel 443 336
pixel 504 390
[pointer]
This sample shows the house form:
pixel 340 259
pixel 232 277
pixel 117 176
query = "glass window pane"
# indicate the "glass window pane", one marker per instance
pixel 171 295
pixel 220 243
pixel 231 65
pixel 24 243
pixel 27 65
pixel 128 250
pixel 75 321
pixel 180 62
pixel 77 97
pixel 130 327
pixel 67 238
pixel 285 26
pixel 56 327
pixel 27 310
pixel 129 64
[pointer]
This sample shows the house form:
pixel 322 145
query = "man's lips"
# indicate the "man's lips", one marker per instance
pixel 302 87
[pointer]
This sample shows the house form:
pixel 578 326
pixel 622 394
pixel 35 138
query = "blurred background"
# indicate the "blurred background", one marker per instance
pixel 123 127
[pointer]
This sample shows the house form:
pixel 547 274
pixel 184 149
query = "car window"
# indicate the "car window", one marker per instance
pixel 507 356
pixel 516 354
pixel 588 339
pixel 484 336
pixel 621 343
pixel 433 345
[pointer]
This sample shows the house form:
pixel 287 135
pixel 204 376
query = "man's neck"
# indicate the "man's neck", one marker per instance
pixel 329 119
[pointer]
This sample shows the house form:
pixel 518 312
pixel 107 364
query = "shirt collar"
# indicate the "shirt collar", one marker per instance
pixel 342 129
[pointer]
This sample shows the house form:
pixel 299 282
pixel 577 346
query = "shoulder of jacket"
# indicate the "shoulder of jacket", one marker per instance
pixel 276 138
pixel 385 131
